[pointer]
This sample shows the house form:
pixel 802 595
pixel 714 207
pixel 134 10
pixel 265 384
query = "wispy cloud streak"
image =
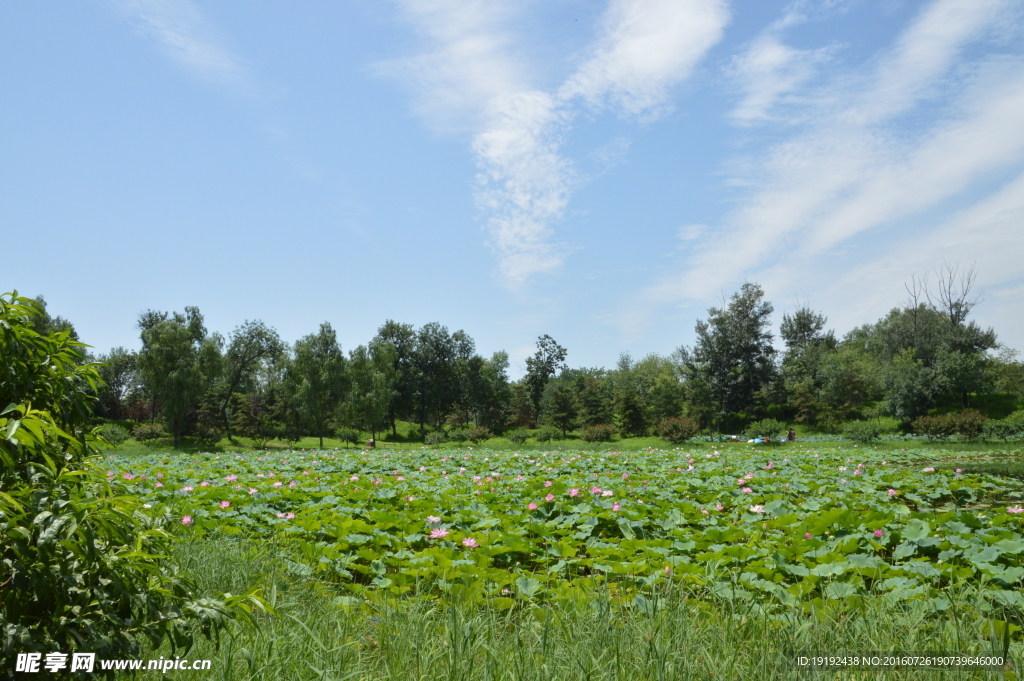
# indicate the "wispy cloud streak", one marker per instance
pixel 184 33
pixel 645 47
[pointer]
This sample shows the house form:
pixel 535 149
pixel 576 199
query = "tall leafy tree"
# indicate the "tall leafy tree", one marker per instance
pixel 441 360
pixel 545 363
pixel 250 346
pixel 488 395
pixel 372 387
pixel 733 357
pixel 318 375
pixel 594 397
pixel 119 370
pixel 178 361
pixel 402 337
pixel 559 405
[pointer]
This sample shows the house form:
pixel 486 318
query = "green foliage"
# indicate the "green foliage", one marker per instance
pixel 348 435
pixel 478 434
pixel 458 435
pixel 547 434
pixel 435 437
pixel 968 424
pixel 559 405
pixel 80 565
pixel 257 417
pixel 545 363
pixel 677 429
pixel 114 434
pixel 599 432
pixel 733 356
pixel 630 415
pixel 318 380
pixel 765 429
pixel 148 432
pixel 518 435
pixel 861 431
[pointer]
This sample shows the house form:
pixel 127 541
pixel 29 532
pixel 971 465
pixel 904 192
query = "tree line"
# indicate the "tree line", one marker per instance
pixel 924 355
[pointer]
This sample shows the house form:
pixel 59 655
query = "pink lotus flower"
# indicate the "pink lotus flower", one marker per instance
pixel 1015 509
pixel 438 533
pixel 433 519
pixel 808 535
pixel 204 483
pixel 595 490
pixel 959 470
pixel 747 490
pixel 616 506
pixel 574 492
pixel 547 483
pixel 929 469
pixel 289 516
pixel 705 511
pixel 607 493
pixel 128 476
pixel 159 484
pixel 253 490
pixel 878 533
pixel 625 476
pixel 225 504
pixel 278 485
pixel 232 478
pixel 159 475
pixel 893 492
pixel 719 507
pixel 469 543
pixel 532 506
pixel 354 478
pixel 110 474
pixel 292 483
pixel 186 520
pixel 187 488
pixel 757 508
pixel 550 497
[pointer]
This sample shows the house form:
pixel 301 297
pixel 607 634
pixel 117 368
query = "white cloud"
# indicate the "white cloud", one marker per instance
pixel 182 30
pixel 860 167
pixel 470 72
pixel 767 71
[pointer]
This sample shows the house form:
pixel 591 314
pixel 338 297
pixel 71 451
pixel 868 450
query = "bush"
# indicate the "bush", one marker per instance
pixel 517 436
pixel 114 434
pixel 348 435
pixel 677 430
pixel 861 431
pixel 968 424
pixel 600 432
pixel 547 434
pixel 766 429
pixel 435 437
pixel 458 435
pixel 1011 426
pixel 478 434
pixel 148 432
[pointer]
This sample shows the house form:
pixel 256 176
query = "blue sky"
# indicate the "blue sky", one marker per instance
pixel 602 172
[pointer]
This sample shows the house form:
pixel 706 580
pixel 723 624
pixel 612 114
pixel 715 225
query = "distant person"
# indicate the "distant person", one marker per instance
pixel 371 442
pixel 791 436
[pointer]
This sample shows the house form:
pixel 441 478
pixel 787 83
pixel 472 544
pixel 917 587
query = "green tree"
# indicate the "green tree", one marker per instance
pixel 178 362
pixel 733 356
pixel 317 374
pixel 441 359
pixel 488 394
pixel 119 372
pixel 523 413
pixel 372 387
pixel 545 363
pixel 559 405
pixel 250 346
pixel 630 414
pixel 595 400
pixel 403 338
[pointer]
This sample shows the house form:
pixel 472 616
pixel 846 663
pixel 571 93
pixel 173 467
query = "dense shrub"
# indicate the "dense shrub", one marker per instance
pixel 677 430
pixel 517 436
pixel 547 434
pixel 1004 429
pixel 435 437
pixel 114 434
pixel 348 435
pixel 458 435
pixel 765 429
pixel 861 431
pixel 148 432
pixel 599 432
pixel 967 424
pixel 478 434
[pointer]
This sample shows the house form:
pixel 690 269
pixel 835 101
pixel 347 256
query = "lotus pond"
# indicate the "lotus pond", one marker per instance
pixel 780 527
